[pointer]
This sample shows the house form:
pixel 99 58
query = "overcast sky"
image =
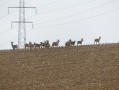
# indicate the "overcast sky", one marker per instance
pixel 62 19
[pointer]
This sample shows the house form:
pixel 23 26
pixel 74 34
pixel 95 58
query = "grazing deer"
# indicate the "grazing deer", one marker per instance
pixel 97 40
pixel 30 45
pixel 47 45
pixel 14 46
pixel 55 43
pixel 72 43
pixel 27 45
pixel 80 42
pixel 68 43
pixel 43 44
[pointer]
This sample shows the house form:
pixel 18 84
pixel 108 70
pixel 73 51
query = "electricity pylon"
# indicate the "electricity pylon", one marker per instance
pixel 21 23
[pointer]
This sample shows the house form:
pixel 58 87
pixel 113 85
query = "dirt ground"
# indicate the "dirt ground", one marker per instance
pixel 86 67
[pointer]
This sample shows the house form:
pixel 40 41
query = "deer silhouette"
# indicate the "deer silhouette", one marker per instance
pixel 97 40
pixel 14 46
pixel 55 43
pixel 68 43
pixel 80 42
pixel 47 45
pixel 37 45
pixel 29 45
pixel 72 43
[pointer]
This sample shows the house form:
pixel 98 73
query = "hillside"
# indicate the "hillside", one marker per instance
pixel 87 67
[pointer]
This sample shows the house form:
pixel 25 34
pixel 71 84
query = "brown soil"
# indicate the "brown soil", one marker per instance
pixel 87 67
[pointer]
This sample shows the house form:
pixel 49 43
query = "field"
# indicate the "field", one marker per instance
pixel 86 67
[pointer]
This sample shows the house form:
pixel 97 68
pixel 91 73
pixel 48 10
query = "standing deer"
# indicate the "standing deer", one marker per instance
pixel 14 46
pixel 97 40
pixel 80 42
pixel 55 43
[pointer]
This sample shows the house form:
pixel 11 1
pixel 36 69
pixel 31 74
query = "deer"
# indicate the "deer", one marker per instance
pixel 47 45
pixel 27 45
pixel 68 43
pixel 80 42
pixel 30 45
pixel 37 45
pixel 72 43
pixel 14 46
pixel 55 43
pixel 43 44
pixel 97 40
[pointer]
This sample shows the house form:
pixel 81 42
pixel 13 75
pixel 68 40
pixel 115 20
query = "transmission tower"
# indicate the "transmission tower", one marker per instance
pixel 21 23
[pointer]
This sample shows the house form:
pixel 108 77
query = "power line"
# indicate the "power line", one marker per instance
pixel 5 31
pixel 2 44
pixel 68 7
pixel 4 3
pixel 2 17
pixel 50 3
pixel 74 21
pixel 57 10
pixel 93 8
pixel 22 23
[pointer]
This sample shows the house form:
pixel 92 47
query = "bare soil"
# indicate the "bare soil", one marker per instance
pixel 86 67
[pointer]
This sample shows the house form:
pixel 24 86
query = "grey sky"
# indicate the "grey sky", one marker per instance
pixel 62 19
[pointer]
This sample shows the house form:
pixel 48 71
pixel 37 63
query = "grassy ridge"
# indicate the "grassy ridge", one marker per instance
pixel 89 67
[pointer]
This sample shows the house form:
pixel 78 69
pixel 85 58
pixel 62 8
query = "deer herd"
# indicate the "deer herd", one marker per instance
pixel 46 44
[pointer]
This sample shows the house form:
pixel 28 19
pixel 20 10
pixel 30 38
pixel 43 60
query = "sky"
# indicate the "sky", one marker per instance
pixel 63 20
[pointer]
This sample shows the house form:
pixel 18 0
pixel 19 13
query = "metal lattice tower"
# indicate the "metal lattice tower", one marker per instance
pixel 21 23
